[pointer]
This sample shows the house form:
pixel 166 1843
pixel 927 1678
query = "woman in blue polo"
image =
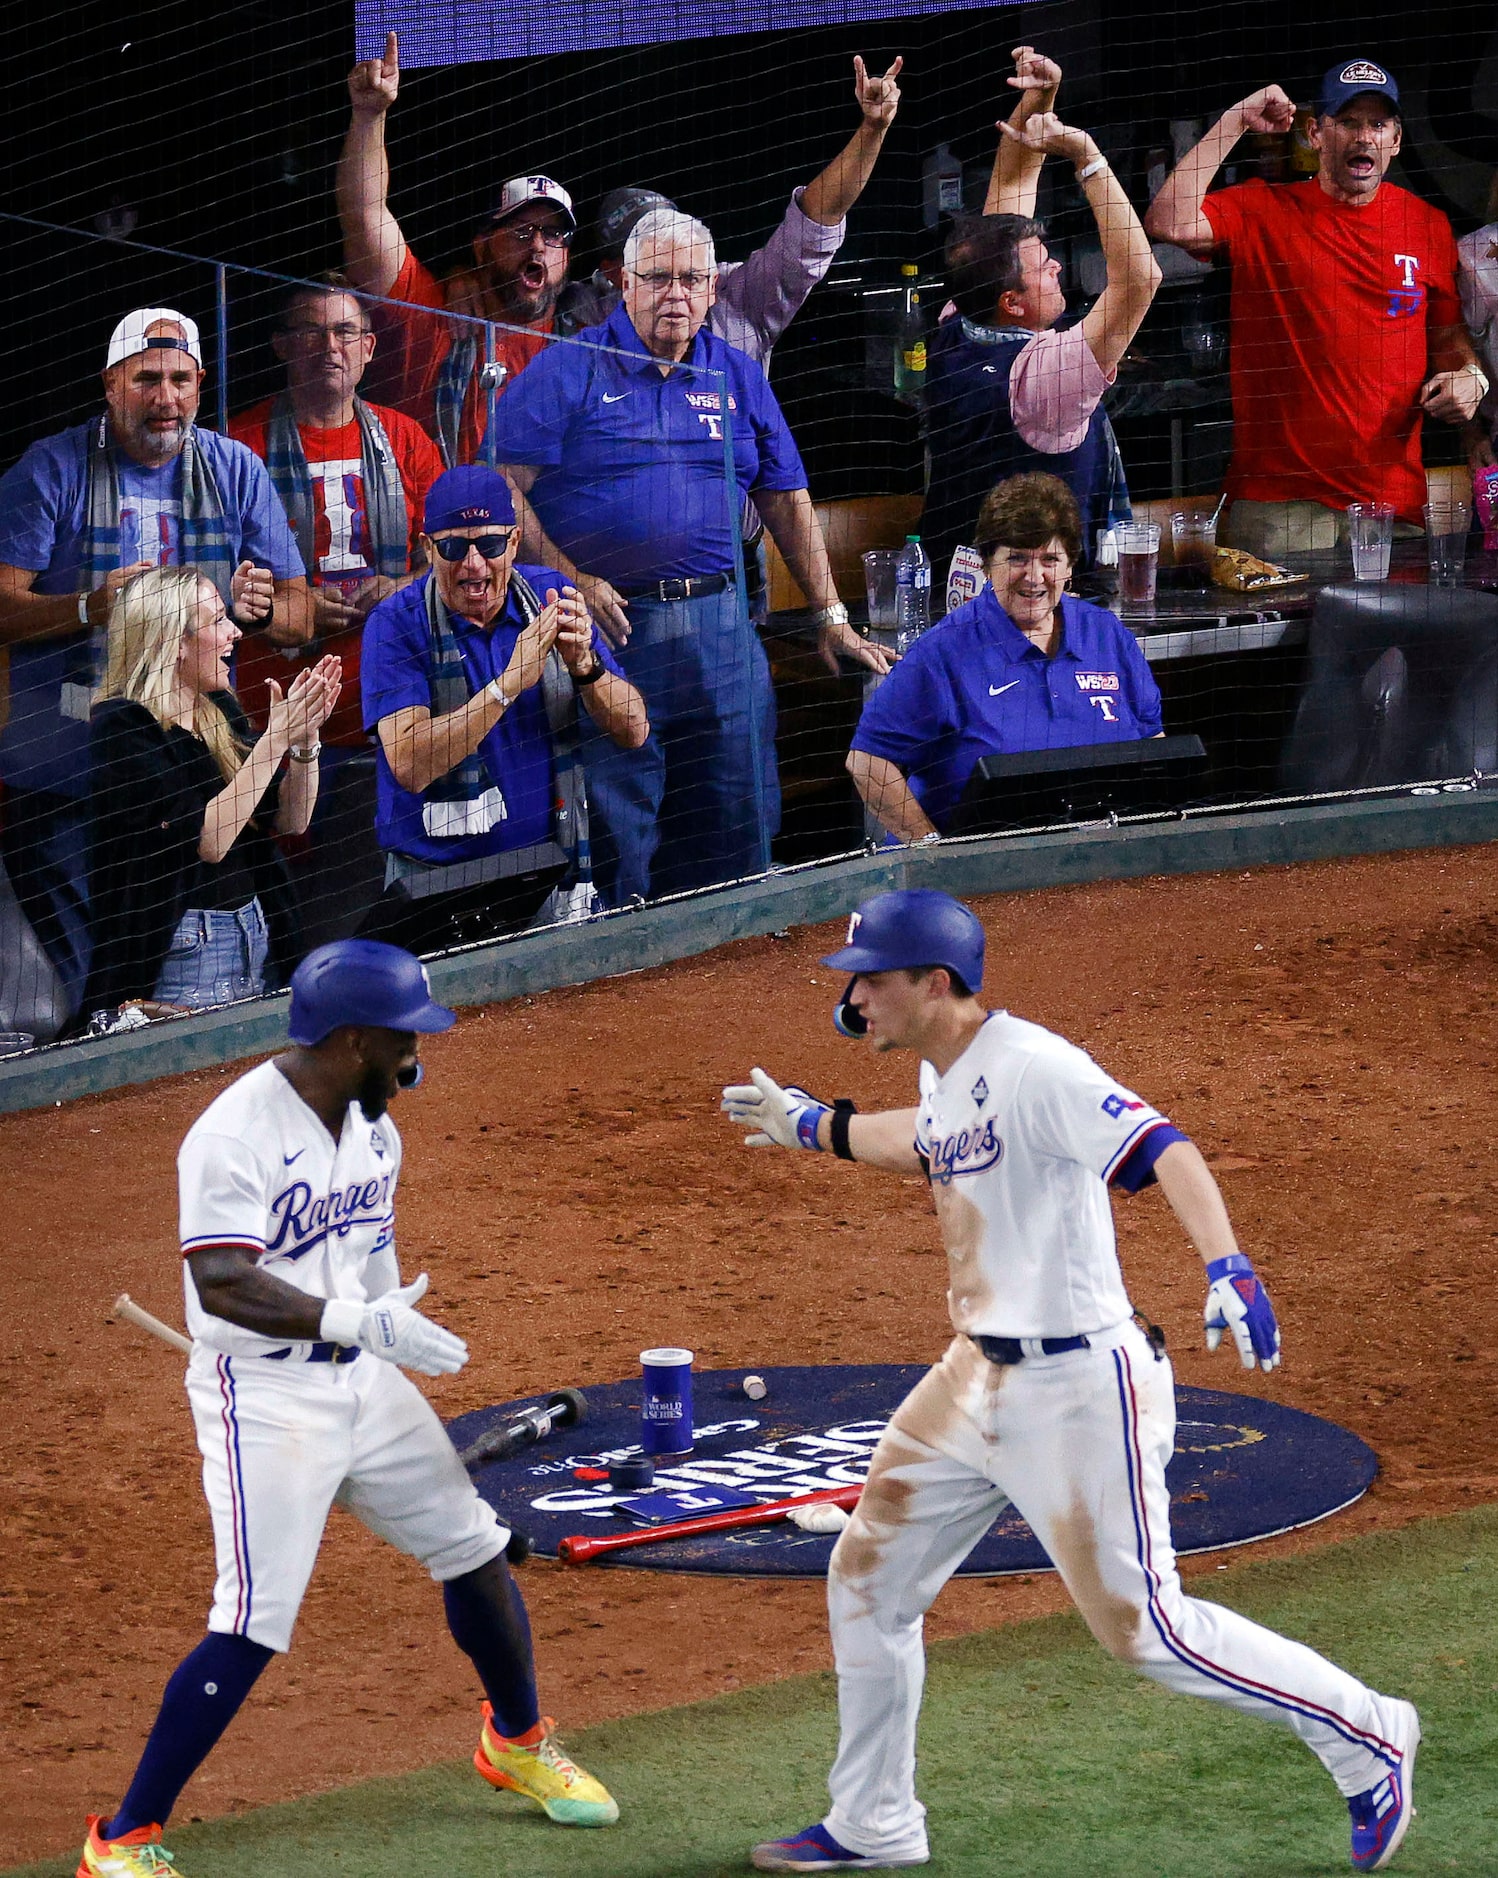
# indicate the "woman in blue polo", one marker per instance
pixel 1025 666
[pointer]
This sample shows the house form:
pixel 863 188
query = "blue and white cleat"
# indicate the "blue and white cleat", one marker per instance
pixel 817 1850
pixel 1381 1816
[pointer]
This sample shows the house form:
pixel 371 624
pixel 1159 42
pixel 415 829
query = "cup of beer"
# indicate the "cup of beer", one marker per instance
pixel 1138 565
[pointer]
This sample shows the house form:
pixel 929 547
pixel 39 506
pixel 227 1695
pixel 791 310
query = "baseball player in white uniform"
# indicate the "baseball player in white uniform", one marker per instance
pixel 301 1328
pixel 1049 1396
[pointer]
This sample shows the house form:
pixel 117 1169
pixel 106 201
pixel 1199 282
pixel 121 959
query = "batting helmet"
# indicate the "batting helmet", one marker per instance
pixel 912 929
pixel 362 981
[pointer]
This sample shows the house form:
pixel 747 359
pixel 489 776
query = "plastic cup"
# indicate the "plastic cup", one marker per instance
pixel 1193 540
pixel 666 1404
pixel 1370 531
pixel 1138 565
pixel 879 580
pixel 1446 525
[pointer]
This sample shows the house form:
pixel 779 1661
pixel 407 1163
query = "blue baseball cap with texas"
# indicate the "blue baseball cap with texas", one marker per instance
pixel 469 496
pixel 1350 79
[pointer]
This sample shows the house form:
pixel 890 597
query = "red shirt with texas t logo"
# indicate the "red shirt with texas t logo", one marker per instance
pixel 1332 309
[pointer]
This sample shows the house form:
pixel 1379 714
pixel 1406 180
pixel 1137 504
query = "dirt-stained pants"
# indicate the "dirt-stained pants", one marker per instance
pixel 1079 1444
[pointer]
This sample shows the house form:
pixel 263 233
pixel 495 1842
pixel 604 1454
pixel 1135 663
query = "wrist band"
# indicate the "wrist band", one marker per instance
pixel 808 1123
pixel 83 618
pixel 590 678
pixel 842 1111
pixel 309 755
pixel 1098 163
pixel 495 692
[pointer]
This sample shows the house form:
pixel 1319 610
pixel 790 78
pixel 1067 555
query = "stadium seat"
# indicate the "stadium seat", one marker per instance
pixel 1402 686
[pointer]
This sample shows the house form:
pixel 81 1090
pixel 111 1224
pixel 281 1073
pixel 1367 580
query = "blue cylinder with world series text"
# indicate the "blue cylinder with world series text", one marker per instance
pixel 666 1401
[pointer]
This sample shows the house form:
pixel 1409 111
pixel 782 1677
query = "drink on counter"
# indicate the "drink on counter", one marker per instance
pixel 1446 525
pixel 1193 540
pixel 1370 531
pixel 912 594
pixel 1138 565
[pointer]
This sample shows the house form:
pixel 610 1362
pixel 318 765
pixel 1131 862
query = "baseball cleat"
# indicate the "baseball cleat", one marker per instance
pixel 1381 1816
pixel 817 1850
pixel 532 1764
pixel 137 1855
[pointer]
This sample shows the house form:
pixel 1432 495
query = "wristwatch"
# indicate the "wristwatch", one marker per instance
pixel 834 615
pixel 590 678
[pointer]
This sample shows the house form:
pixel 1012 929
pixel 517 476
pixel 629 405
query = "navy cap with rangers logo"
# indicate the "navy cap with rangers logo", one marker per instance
pixel 1351 79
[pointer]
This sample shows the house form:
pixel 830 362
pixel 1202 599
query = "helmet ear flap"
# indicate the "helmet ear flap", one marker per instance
pixel 411 1076
pixel 846 1019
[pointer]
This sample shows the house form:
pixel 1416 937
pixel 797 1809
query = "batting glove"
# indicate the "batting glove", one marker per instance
pixel 780 1118
pixel 389 1328
pixel 1236 1301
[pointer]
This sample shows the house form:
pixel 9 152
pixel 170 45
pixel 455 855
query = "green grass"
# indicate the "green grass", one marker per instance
pixel 1040 1758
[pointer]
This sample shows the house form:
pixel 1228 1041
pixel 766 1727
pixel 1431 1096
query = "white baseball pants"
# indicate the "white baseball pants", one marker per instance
pixel 1078 1443
pixel 282 1443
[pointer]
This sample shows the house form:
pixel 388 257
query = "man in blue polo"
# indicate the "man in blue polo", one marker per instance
pixel 472 679
pixel 619 440
pixel 1025 666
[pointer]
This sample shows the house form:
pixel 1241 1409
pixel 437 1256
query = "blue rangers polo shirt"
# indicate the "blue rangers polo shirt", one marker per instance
pixel 632 475
pixel 393 676
pixel 975 685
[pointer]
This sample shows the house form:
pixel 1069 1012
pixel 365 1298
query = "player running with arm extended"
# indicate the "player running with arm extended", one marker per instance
pixel 1049 1397
pixel 300 1329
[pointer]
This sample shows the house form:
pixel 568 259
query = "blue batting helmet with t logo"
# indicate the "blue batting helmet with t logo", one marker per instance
pixel 362 981
pixel 913 929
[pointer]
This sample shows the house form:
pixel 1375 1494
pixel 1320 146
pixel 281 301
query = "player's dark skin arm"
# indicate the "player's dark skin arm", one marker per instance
pixel 232 1286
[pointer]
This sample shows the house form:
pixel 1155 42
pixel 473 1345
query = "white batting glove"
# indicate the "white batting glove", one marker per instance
pixel 779 1118
pixel 391 1329
pixel 1238 1302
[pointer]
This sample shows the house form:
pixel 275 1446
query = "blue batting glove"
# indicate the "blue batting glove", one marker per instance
pixel 1236 1301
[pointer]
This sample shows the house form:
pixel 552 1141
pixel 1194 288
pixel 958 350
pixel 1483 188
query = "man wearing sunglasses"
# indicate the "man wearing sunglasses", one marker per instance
pixel 479 679
pixel 620 444
pixel 429 366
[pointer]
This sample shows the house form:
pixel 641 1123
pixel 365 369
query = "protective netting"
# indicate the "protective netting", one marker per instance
pixel 1254 311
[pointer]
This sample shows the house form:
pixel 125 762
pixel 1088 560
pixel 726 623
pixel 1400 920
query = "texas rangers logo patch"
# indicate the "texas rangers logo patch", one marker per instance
pixel 979 1092
pixel 1362 72
pixel 1116 1104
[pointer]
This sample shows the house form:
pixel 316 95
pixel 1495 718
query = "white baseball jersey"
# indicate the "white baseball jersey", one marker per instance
pixel 259 1170
pixel 1022 1134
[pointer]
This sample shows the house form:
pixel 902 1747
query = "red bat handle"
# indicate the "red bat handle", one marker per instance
pixel 578 1548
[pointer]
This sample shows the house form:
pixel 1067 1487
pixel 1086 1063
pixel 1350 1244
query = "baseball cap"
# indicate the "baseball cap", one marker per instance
pixel 618 212
pixel 520 191
pixel 130 336
pixel 1350 80
pixel 466 497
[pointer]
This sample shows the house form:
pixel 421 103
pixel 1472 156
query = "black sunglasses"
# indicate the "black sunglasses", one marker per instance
pixel 455 547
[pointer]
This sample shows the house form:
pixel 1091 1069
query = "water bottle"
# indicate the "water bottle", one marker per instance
pixel 912 594
pixel 910 341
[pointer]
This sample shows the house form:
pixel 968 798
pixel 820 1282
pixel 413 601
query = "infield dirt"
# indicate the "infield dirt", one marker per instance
pixel 1327 1034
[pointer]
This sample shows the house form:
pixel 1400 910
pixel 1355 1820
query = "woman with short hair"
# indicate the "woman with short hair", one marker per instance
pixel 187 900
pixel 1025 666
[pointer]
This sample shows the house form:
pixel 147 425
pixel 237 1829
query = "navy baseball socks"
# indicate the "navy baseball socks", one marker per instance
pixel 202 1696
pixel 487 1617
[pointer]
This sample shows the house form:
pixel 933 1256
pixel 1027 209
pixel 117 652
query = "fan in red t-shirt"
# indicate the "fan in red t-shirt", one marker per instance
pixel 1346 326
pixel 352 477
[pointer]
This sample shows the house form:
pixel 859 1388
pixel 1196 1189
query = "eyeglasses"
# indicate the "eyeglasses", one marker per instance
pixel 691 282
pixel 552 234
pixel 344 334
pixel 455 548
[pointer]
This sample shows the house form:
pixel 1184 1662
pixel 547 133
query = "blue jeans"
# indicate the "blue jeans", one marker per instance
pixel 698 802
pixel 215 958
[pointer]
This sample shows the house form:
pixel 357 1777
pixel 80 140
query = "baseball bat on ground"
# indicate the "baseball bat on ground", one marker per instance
pixel 563 1408
pixel 578 1548
pixel 126 1307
